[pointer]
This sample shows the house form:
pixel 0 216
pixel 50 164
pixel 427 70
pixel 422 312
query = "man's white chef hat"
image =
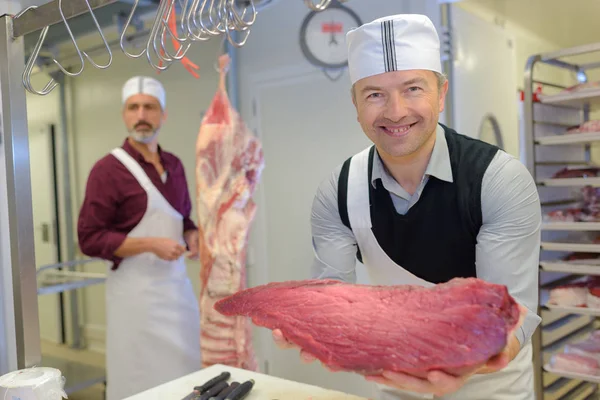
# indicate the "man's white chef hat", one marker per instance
pixel 394 43
pixel 145 85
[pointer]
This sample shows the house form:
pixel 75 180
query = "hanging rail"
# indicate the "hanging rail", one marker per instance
pixel 198 21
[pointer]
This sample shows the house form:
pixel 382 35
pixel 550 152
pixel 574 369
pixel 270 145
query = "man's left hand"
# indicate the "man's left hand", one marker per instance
pixel 440 383
pixel 191 239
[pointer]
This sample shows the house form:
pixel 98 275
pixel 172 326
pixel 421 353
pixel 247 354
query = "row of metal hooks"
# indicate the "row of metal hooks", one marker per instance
pixel 198 20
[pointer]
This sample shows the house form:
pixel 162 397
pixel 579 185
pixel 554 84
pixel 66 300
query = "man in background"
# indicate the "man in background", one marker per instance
pixel 136 213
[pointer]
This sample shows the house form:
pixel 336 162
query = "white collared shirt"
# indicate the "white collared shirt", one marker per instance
pixel 508 243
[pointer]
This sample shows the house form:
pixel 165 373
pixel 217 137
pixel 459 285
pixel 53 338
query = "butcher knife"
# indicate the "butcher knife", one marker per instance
pixel 223 394
pixel 212 382
pixel 213 391
pixel 241 391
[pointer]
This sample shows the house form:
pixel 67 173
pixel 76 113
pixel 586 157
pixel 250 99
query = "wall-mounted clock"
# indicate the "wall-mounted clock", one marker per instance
pixel 323 35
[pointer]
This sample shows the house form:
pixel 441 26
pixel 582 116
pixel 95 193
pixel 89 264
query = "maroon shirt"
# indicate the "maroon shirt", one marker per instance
pixel 115 202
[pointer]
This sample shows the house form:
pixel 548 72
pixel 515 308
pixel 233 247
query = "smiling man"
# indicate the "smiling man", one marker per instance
pixel 425 204
pixel 136 214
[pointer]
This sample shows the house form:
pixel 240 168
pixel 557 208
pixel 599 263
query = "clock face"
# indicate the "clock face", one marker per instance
pixel 323 36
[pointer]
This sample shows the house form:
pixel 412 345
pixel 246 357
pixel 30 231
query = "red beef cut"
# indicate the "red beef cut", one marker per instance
pixel 454 327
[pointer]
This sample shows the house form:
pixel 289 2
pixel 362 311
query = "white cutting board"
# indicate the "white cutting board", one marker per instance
pixel 265 387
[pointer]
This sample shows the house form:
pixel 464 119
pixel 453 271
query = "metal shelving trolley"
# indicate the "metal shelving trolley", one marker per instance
pixel 560 128
pixel 26 45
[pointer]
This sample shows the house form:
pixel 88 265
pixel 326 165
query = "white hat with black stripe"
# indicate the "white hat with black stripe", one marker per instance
pixel 395 43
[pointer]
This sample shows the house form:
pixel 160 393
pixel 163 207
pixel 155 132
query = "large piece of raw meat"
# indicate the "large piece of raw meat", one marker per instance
pixel 229 162
pixel 454 327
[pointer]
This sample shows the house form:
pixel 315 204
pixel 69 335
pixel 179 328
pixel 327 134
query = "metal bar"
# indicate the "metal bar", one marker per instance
pixel 557 124
pixel 587 67
pixel 71 263
pixel 70 286
pixel 573 51
pixel 57 232
pixel 49 14
pixel 561 64
pixel 68 208
pixel 554 163
pixel 558 203
pixel 448 61
pixel 528 158
pixel 549 84
pixel 17 225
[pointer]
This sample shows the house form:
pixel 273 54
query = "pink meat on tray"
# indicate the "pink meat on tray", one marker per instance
pixel 571 295
pixel 575 364
pixel 587 348
pixel 590 172
pixel 589 126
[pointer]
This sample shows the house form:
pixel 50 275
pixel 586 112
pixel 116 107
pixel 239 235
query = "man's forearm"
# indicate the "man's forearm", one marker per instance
pixel 134 246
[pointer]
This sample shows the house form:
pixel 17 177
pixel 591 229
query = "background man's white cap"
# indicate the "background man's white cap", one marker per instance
pixel 394 43
pixel 144 85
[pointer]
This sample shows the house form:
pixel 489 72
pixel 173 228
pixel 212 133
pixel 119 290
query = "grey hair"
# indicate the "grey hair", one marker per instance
pixel 441 78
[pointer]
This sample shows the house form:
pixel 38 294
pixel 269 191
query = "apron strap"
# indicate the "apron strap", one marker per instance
pixel 134 167
pixel 359 207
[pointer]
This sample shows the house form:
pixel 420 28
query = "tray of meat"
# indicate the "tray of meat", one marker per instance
pixel 589 172
pixel 587 93
pixel 592 126
pixel 574 366
pixel 570 295
pixel 573 219
pixel 586 348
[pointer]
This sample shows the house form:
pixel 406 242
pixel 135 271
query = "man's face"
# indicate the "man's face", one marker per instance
pixel 399 110
pixel 143 115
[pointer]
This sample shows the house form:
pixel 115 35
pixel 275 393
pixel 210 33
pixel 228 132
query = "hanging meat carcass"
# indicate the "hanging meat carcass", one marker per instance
pixel 229 162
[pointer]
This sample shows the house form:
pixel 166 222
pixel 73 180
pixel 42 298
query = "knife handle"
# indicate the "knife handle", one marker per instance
pixel 213 391
pixel 223 394
pixel 241 391
pixel 223 376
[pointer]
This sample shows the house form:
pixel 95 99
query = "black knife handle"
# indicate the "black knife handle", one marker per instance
pixel 213 391
pixel 223 394
pixel 241 391
pixel 212 382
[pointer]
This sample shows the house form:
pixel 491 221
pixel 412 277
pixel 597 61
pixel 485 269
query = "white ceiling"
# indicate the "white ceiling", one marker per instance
pixel 566 23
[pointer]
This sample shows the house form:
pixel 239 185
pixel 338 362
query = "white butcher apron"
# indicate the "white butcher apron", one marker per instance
pixel 515 382
pixel 153 320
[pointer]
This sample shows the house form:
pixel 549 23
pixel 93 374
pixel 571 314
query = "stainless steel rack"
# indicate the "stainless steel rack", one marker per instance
pixel 547 148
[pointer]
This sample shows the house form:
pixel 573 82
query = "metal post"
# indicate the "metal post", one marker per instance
pixel 448 61
pixel 68 209
pixel 17 262
pixel 529 151
pixel 529 147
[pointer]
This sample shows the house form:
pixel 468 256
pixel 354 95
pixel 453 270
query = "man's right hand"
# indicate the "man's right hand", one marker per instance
pixel 284 344
pixel 167 249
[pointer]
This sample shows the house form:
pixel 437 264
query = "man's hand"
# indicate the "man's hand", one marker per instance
pixel 167 249
pixel 440 383
pixel 284 344
pixel 191 238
